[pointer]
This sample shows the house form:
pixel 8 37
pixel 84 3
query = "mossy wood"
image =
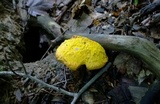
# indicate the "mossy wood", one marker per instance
pixel 139 47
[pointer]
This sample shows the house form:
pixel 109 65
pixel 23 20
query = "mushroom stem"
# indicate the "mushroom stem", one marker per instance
pixel 139 47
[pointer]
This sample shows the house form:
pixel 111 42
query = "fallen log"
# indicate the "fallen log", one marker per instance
pixel 139 47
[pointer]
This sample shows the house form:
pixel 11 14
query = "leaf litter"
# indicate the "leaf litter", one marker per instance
pixel 96 16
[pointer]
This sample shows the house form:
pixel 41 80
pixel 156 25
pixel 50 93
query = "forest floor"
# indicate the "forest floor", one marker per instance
pixel 26 45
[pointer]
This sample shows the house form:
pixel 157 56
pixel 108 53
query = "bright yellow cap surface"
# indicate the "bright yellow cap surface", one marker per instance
pixel 79 51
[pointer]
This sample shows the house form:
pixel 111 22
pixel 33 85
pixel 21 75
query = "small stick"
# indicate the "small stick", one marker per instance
pixel 9 64
pixel 45 85
pixel 86 86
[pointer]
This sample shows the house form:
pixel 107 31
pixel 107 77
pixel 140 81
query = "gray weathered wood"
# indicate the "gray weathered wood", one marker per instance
pixel 139 47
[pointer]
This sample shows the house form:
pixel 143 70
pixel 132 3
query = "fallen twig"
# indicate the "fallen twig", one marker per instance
pixel 90 82
pixel 9 73
pixel 74 95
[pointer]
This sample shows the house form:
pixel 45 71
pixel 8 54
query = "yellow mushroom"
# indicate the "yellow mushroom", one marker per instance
pixel 79 51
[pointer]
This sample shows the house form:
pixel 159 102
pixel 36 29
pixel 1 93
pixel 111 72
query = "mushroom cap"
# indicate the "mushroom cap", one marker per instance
pixel 79 51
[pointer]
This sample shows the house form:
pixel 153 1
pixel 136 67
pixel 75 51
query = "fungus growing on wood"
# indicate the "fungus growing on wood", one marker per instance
pixel 79 51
